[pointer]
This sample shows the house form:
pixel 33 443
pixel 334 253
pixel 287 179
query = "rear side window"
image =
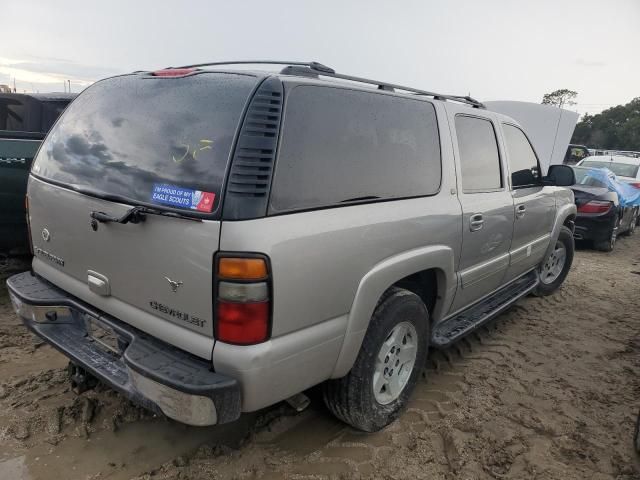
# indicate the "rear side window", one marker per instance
pixel 341 146
pixel 157 141
pixel 479 157
pixel 522 159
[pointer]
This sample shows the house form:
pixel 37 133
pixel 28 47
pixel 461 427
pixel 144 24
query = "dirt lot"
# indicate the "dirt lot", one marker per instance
pixel 549 390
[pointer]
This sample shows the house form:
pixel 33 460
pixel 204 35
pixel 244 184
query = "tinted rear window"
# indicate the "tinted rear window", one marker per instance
pixel 341 146
pixel 479 157
pixel 620 169
pixel 133 135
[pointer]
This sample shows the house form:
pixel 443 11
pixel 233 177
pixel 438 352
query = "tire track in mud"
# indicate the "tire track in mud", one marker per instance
pixel 439 393
pixel 546 390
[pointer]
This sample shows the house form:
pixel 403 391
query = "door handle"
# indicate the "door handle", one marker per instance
pixel 520 211
pixel 476 222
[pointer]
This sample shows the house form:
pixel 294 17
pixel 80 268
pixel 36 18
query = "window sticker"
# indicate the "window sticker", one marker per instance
pixel 183 197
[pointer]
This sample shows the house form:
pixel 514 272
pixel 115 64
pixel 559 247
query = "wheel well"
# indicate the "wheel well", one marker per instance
pixel 424 284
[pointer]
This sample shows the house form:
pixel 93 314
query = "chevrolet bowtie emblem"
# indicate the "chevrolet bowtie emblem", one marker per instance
pixel 174 285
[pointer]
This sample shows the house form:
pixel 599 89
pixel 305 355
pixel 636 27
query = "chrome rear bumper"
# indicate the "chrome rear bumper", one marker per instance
pixel 152 373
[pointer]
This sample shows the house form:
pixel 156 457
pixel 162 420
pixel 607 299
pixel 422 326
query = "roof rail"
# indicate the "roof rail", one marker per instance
pixel 322 70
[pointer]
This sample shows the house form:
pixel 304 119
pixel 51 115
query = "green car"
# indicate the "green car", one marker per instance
pixel 25 119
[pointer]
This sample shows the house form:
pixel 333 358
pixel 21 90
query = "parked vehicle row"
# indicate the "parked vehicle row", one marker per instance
pixel 575 153
pixel 601 216
pixel 24 121
pixel 626 169
pixel 210 241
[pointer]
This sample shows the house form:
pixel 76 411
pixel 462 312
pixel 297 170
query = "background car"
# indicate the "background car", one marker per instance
pixel 575 153
pixel 25 119
pixel 601 217
pixel 626 168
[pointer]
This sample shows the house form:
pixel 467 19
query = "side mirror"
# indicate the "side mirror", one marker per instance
pixel 560 176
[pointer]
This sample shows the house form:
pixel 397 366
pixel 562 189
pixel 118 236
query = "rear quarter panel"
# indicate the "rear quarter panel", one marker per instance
pixel 321 259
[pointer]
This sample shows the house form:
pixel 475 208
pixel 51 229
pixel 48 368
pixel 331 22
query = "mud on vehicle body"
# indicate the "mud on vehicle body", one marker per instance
pixel 211 242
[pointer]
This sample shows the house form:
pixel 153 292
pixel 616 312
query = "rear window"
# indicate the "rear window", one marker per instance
pixel 341 146
pixel 155 141
pixel 583 178
pixel 620 169
pixel 479 156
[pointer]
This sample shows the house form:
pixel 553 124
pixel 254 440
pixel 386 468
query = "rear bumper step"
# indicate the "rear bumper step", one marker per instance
pixel 151 373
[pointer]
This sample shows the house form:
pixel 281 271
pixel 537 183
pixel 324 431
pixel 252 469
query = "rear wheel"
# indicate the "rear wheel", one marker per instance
pixel 610 243
pixel 386 371
pixel 557 265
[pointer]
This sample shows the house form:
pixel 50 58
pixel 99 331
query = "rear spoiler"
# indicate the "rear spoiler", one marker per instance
pixel 549 128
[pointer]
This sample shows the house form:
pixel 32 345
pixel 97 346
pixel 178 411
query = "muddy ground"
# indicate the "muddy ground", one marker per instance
pixel 549 391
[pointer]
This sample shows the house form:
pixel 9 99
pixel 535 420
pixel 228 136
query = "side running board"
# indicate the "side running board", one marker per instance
pixel 454 328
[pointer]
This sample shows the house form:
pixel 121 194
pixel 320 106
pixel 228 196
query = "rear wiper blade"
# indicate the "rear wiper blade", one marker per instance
pixel 138 214
pixel 133 215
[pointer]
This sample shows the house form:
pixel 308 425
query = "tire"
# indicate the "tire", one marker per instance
pixel 549 285
pixel 352 398
pixel 610 243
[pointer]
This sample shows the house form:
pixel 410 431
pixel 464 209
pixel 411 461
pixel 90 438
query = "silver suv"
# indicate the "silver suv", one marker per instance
pixel 210 241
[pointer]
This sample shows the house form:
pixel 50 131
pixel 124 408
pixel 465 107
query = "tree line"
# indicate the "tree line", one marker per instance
pixel 617 128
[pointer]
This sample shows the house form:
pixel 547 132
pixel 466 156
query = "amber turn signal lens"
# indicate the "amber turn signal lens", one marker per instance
pixel 242 268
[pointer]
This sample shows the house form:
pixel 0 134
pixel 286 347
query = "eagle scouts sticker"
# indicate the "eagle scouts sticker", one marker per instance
pixel 183 197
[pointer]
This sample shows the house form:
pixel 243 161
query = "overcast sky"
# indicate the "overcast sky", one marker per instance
pixel 493 49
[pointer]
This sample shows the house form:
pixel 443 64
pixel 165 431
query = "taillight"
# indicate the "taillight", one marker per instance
pixel 173 72
pixel 595 206
pixel 26 209
pixel 635 184
pixel 243 300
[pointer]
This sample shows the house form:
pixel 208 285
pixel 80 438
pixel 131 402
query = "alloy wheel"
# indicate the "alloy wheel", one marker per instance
pixel 552 268
pixel 395 362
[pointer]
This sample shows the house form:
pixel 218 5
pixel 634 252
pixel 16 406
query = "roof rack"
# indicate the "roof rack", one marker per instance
pixel 318 69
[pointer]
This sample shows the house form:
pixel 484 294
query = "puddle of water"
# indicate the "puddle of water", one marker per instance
pixel 130 451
